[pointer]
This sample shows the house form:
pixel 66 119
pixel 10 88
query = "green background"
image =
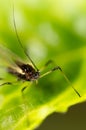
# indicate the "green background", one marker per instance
pixel 52 29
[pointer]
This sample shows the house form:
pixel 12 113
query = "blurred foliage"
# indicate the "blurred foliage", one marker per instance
pixel 48 30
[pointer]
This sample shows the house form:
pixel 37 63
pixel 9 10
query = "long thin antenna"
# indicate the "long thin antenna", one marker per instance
pixel 19 41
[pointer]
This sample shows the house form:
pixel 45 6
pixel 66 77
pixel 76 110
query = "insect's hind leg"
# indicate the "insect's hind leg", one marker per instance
pixel 66 78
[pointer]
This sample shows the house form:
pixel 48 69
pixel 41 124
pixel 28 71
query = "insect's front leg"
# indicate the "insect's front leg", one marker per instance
pixel 49 62
pixel 66 78
pixel 50 71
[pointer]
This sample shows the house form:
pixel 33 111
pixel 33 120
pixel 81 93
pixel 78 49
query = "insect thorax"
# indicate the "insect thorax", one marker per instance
pixel 27 72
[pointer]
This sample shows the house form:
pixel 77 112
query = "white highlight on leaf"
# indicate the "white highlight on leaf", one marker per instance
pixel 43 112
pixel 24 108
pixel 7 122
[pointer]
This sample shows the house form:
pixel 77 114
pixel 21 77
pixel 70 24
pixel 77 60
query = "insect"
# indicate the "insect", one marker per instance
pixel 29 72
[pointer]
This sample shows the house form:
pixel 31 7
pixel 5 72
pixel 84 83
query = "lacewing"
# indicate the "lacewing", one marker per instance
pixel 28 72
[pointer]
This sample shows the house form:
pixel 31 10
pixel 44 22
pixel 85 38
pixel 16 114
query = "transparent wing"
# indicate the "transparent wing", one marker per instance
pixel 7 57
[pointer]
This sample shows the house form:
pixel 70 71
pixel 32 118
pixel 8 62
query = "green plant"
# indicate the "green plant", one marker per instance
pixel 50 35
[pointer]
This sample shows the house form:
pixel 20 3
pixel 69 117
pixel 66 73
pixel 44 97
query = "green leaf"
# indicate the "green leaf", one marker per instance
pixel 43 29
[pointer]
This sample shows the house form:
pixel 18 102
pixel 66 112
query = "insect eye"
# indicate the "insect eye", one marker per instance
pixel 37 74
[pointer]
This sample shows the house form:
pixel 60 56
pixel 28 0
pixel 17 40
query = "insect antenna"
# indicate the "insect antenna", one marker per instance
pixel 19 41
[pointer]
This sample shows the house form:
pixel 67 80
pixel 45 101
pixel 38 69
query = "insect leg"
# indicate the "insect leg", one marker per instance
pixel 22 93
pixel 6 83
pixel 47 64
pixel 25 87
pixel 22 90
pixel 25 102
pixel 66 78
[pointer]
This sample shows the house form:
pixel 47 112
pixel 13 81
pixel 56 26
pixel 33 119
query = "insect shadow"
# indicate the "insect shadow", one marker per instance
pixel 29 72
